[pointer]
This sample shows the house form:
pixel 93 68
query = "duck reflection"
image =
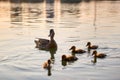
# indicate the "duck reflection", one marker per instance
pixel 16 11
pixel 52 53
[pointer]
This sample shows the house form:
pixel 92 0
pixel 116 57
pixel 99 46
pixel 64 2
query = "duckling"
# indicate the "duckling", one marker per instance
pixel 69 58
pixel 46 44
pixel 47 65
pixel 91 46
pixel 100 55
pixel 80 51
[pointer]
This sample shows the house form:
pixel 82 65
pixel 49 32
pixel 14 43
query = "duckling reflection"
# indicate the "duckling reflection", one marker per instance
pixel 47 65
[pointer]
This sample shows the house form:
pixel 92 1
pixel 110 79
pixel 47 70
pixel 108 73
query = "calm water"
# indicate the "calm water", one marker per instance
pixel 21 23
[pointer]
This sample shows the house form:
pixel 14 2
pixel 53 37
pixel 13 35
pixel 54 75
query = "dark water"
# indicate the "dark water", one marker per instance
pixel 21 23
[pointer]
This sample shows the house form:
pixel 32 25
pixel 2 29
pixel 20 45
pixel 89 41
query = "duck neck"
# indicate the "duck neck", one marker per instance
pixel 51 38
pixel 89 46
pixel 73 50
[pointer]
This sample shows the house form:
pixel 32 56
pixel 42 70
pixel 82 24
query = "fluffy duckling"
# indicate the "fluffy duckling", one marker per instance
pixel 47 65
pixel 69 58
pixel 91 46
pixel 100 55
pixel 73 48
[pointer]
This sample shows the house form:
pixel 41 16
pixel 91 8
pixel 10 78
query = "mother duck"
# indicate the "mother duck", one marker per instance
pixel 45 44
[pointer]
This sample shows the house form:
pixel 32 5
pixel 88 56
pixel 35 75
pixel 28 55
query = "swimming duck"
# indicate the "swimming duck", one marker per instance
pixel 46 44
pixel 91 46
pixel 100 55
pixel 69 58
pixel 47 65
pixel 73 48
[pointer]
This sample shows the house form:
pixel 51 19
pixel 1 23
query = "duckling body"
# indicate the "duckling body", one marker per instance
pixel 46 44
pixel 79 51
pixel 47 65
pixel 69 58
pixel 98 55
pixel 91 46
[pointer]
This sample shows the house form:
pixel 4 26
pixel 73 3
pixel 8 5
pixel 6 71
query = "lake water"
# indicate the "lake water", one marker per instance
pixel 21 23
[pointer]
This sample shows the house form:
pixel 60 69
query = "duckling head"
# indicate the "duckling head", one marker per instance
pixel 94 52
pixel 64 57
pixel 49 61
pixel 88 44
pixel 72 48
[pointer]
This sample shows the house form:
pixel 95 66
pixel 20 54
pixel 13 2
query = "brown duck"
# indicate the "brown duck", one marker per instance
pixel 91 46
pixel 74 50
pixel 46 44
pixel 69 58
pixel 98 55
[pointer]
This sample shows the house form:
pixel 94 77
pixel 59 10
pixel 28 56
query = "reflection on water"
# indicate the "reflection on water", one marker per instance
pixel 16 12
pixel 22 22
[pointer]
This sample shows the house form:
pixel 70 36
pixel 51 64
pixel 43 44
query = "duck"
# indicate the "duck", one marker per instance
pixel 98 55
pixel 74 50
pixel 69 58
pixel 47 64
pixel 45 44
pixel 91 46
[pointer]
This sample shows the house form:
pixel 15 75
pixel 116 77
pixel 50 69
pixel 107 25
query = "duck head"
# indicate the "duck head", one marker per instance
pixel 64 57
pixel 72 48
pixel 94 52
pixel 88 44
pixel 49 61
pixel 52 33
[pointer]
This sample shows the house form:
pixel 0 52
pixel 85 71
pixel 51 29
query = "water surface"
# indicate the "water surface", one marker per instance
pixel 21 23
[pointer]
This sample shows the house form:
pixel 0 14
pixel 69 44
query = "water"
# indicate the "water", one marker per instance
pixel 21 23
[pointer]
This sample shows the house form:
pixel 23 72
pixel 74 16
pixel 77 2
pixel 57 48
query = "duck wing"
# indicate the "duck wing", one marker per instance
pixel 80 51
pixel 101 55
pixel 94 47
pixel 41 43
